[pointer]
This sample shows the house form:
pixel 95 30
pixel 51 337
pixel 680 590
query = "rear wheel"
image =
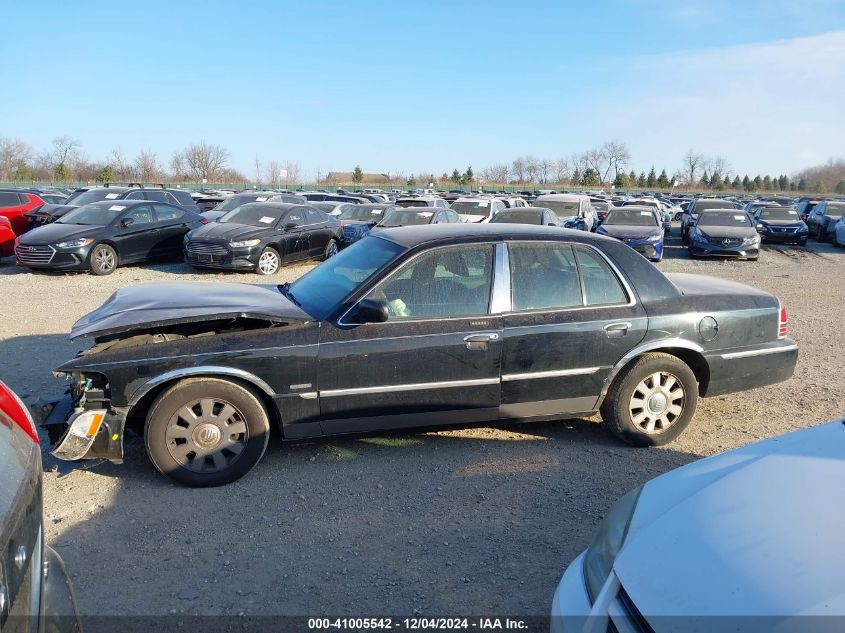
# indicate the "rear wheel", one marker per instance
pixel 331 249
pixel 651 401
pixel 205 432
pixel 103 260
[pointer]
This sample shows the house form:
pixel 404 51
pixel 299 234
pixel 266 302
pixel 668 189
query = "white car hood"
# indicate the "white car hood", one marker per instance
pixel 758 531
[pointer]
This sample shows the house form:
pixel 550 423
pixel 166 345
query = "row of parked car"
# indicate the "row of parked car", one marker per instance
pixel 96 229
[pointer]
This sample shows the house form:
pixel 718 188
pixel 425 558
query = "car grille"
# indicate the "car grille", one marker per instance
pixel 206 248
pixel 726 241
pixel 778 229
pixel 627 617
pixel 34 254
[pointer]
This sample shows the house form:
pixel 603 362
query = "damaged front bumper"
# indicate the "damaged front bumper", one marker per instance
pixel 78 433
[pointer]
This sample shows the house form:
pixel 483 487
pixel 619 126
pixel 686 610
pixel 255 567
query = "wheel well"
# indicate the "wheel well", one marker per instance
pixel 107 243
pixel 695 361
pixel 137 416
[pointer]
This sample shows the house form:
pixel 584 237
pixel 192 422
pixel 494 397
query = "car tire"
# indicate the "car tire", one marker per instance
pixel 331 249
pixel 684 238
pixel 102 260
pixel 626 410
pixel 269 262
pixel 205 432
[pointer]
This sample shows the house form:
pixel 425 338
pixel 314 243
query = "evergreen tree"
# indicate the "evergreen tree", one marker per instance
pixel 737 183
pixel 622 181
pixel 576 177
pixel 663 180
pixel 641 179
pixel 705 179
pixel 767 183
pixel 783 182
pixel 840 186
pixel 455 177
pixel 747 185
pixel 651 180
pixel 715 179
pixel 819 187
pixel 106 174
pixel 357 175
pixel 758 182
pixel 590 177
pixel 726 183
pixel 802 184
pixel 61 172
pixel 468 175
pixel 632 178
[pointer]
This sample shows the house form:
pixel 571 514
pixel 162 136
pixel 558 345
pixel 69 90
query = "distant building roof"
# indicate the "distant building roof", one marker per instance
pixel 339 177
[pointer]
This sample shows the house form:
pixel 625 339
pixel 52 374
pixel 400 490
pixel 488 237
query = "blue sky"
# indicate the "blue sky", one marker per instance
pixel 407 87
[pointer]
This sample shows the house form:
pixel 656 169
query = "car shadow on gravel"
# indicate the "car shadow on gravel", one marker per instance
pixel 478 520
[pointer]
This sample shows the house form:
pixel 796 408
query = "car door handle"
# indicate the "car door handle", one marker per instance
pixel 480 341
pixel 617 329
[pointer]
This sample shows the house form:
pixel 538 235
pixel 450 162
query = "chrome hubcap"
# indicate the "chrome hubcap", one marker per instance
pixel 657 402
pixel 268 263
pixel 105 260
pixel 206 435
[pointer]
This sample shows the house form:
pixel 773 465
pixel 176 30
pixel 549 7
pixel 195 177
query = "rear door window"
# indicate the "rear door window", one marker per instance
pixel 601 285
pixel 9 199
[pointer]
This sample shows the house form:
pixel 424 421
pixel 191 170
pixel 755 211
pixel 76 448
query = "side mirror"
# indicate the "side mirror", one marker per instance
pixel 127 222
pixel 290 225
pixel 371 311
pixel 551 224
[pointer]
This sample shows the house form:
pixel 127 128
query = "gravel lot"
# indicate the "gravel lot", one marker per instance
pixel 476 521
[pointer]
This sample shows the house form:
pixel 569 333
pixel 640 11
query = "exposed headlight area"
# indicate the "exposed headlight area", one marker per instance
pixel 609 539
pixel 244 243
pixel 750 241
pixel 77 243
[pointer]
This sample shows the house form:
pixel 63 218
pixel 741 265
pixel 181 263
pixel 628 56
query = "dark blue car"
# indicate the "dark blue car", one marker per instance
pixel 358 219
pixel 638 227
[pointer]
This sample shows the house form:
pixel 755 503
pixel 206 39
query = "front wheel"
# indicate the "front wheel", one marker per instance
pixel 268 262
pixel 651 401
pixel 331 249
pixel 205 432
pixel 103 260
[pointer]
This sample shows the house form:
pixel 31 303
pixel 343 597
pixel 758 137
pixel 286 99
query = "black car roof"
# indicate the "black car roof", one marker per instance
pixel 411 236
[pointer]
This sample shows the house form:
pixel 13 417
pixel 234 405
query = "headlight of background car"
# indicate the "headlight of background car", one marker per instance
pixel 751 240
pixel 655 238
pixel 245 243
pixel 82 241
pixel 608 541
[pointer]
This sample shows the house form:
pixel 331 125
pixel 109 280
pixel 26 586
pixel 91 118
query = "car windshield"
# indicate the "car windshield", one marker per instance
pixel 321 290
pixel 835 209
pixel 235 201
pixel 723 219
pixel 93 214
pixel 80 198
pixel 518 217
pixel 481 207
pixel 256 214
pixel 779 213
pixel 630 217
pixel 412 203
pixel 399 217
pixel 561 209
pixel 703 205
pixel 360 212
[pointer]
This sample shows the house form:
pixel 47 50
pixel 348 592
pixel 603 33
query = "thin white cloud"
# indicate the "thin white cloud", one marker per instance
pixel 776 106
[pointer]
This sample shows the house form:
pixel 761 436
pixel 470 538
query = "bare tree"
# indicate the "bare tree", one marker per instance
pixel 147 168
pixel 178 167
pixel 719 165
pixel 497 173
pixel 274 169
pixel 205 161
pixel 294 170
pixel 15 155
pixel 532 168
pixel 617 158
pixel 693 162
pixel 257 170
pixel 562 170
pixel 64 148
pixel 120 166
pixel 518 169
pixel 546 170
pixel 596 159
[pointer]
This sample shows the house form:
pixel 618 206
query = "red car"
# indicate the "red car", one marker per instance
pixel 14 204
pixel 7 238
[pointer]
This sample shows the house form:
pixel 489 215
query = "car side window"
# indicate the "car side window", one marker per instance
pixel 601 285
pixel 158 195
pixel 296 217
pixel 135 195
pixel 445 282
pixel 9 199
pixel 167 214
pixel 544 275
pixel 140 215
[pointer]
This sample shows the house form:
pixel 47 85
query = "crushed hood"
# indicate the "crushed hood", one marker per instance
pixel 156 305
pixel 753 532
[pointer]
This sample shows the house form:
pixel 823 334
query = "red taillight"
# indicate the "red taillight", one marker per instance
pixel 783 321
pixel 341 226
pixel 203 220
pixel 13 411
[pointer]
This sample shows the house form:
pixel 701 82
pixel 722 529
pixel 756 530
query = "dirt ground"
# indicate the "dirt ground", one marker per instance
pixel 471 521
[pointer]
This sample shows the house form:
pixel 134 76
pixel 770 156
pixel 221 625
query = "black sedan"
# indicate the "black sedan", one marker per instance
pixel 35 590
pixel 780 224
pixel 262 236
pixel 101 236
pixel 416 216
pixel 410 327
pixel 538 216
pixel 718 233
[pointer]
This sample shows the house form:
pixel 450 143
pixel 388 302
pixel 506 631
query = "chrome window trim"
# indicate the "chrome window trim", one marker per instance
pixel 501 301
pixel 555 373
pixel 196 371
pixel 419 386
pixel 759 352
pixel 632 301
